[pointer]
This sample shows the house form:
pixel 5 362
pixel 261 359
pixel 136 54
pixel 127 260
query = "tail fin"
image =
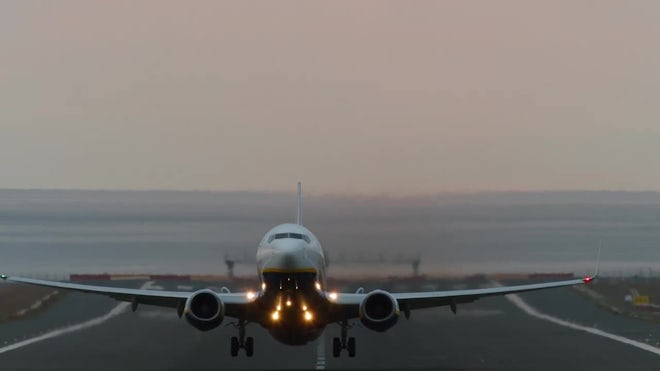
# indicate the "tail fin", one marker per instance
pixel 299 210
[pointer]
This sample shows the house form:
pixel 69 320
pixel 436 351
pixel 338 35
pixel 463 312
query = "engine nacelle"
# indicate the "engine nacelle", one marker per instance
pixel 204 310
pixel 379 311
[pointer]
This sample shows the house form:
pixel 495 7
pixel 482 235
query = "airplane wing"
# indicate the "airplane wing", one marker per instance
pixel 347 305
pixel 234 302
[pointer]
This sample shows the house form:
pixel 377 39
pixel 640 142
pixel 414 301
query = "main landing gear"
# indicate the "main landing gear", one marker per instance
pixel 344 342
pixel 241 341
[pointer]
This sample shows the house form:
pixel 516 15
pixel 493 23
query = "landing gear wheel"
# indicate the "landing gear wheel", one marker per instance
pixel 234 346
pixel 351 347
pixel 343 342
pixel 249 346
pixel 336 347
pixel 241 342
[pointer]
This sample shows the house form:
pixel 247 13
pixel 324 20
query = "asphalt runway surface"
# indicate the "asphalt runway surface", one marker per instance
pixel 490 334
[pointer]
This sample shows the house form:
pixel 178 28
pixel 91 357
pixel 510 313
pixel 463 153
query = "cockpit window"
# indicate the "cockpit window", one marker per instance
pixel 297 236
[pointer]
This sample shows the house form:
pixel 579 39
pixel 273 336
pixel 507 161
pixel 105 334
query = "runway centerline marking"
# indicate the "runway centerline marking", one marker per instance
pixel 320 353
pixel 114 312
pixel 522 304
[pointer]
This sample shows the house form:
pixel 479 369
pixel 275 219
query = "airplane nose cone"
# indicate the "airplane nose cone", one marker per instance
pixel 284 260
pixel 288 256
pixel 289 246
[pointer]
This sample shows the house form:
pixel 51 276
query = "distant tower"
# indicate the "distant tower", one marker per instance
pixel 415 266
pixel 230 266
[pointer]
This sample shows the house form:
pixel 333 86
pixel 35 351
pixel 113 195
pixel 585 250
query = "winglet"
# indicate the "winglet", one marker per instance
pixel 299 210
pixel 588 279
pixel 597 263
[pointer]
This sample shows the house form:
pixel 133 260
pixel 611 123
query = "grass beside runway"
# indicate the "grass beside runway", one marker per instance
pixel 19 301
pixel 611 293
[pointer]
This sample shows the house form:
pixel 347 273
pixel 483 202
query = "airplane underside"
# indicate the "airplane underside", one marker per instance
pixel 294 311
pixel 295 336
pixel 292 302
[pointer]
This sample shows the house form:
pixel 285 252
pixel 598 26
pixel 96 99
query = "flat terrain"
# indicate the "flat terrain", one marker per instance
pixel 610 293
pixel 489 334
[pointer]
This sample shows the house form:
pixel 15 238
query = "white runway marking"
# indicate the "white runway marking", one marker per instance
pixel 119 309
pixel 520 303
pixel 37 303
pixel 320 353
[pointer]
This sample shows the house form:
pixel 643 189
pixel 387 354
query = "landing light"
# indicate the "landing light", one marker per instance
pixel 304 308
pixel 279 307
pixel 333 295
pixel 308 316
pixel 318 286
pixel 288 303
pixel 263 286
pixel 275 316
pixel 250 295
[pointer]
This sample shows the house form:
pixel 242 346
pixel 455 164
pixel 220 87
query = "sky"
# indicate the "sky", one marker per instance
pixel 351 97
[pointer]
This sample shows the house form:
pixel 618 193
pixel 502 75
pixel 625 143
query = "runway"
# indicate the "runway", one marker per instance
pixel 490 334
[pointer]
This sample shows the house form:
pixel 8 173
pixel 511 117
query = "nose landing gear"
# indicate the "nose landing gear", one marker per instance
pixel 344 342
pixel 241 342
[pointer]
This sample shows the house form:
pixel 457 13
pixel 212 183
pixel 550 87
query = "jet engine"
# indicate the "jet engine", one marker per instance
pixel 379 311
pixel 204 310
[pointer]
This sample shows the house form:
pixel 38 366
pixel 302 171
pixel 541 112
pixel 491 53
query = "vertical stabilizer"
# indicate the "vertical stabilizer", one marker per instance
pixel 299 210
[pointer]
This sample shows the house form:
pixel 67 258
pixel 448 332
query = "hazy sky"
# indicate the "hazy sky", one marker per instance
pixel 350 97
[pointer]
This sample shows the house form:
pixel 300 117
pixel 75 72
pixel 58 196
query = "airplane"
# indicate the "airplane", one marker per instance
pixel 294 303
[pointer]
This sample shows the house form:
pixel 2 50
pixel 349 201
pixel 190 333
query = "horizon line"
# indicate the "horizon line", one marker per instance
pixel 383 194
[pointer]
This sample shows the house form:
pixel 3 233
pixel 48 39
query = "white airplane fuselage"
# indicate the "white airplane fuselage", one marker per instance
pixel 291 268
